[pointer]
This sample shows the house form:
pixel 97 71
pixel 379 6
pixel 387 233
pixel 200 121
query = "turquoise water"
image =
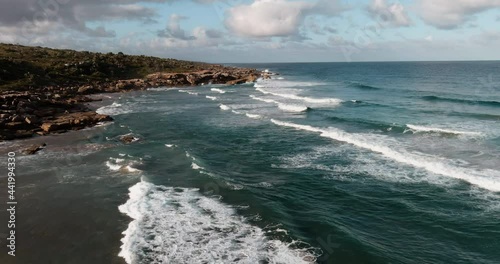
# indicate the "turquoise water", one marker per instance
pixel 326 163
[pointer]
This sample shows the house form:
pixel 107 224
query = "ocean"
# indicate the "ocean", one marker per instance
pixel 324 163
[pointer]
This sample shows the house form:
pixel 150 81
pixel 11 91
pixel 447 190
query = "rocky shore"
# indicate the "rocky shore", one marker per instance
pixel 57 109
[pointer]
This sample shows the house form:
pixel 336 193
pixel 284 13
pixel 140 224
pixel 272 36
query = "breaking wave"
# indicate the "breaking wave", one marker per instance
pixel 424 129
pixel 484 178
pixel 331 101
pixel 218 90
pixel 179 225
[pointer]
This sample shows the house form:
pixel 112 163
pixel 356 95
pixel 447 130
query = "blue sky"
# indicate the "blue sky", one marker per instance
pixel 262 30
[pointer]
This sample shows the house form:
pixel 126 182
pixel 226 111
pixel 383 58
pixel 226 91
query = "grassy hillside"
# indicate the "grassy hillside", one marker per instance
pixel 24 68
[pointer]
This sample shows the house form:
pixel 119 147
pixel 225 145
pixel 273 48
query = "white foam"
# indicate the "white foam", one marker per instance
pixel 282 106
pixel 117 160
pixel 424 129
pixel 253 116
pixel 292 108
pixel 484 178
pixel 120 164
pixel 169 145
pixel 264 100
pixel 213 98
pixel 236 112
pixel 103 124
pixel 281 83
pixel 113 166
pixel 162 89
pixel 179 225
pixel 218 90
pixel 224 107
pixel 113 109
pixel 195 166
pixel 131 169
pixel 330 101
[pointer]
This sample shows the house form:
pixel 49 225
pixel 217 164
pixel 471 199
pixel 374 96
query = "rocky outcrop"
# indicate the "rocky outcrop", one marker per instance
pixel 73 121
pixel 229 76
pixel 25 114
pixel 129 138
pixel 56 109
pixel 34 149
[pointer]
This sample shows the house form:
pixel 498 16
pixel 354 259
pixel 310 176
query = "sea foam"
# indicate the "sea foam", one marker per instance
pixel 282 106
pixel 484 178
pixel 224 107
pixel 330 101
pixel 179 225
pixel 218 90
pixel 424 129
pixel 113 109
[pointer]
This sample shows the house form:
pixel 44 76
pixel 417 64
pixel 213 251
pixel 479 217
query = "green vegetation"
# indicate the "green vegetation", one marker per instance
pixel 24 68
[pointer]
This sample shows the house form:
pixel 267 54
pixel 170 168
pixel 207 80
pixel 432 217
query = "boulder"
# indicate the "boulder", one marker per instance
pixel 15 125
pixel 17 118
pixel 34 149
pixel 87 90
pixel 238 81
pixel 127 139
pixel 49 127
pixel 31 120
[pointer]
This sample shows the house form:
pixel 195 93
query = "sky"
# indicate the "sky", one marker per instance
pixel 247 31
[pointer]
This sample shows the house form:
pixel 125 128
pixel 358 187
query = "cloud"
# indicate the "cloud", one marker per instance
pixel 176 37
pixel 450 14
pixel 31 17
pixel 393 14
pixel 174 29
pixel 275 18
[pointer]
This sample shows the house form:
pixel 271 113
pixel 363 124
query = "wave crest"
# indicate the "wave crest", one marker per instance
pixel 424 129
pixel 484 178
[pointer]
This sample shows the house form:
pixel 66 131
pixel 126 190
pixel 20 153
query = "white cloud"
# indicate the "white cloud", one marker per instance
pixel 275 18
pixel 449 14
pixel 267 18
pixel 393 14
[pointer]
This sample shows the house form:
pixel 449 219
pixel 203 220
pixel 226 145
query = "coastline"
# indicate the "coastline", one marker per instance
pixel 55 110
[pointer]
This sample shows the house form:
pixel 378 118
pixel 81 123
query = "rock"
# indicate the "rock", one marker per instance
pixel 15 125
pixel 87 90
pixel 23 134
pixel 34 149
pixel 31 120
pixel 238 81
pixel 45 112
pixel 252 78
pixel 16 118
pixel 127 139
pixel 49 127
pixel 74 121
